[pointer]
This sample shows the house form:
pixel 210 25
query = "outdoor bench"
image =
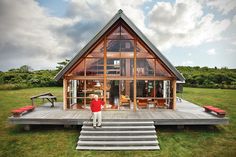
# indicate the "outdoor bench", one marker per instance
pixel 219 112
pixel 20 111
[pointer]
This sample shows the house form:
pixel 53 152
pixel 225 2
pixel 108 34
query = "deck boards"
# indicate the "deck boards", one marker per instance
pixel 186 113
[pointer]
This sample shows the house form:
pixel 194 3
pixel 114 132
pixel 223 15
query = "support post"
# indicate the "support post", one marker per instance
pixel 105 73
pixel 135 67
pixel 65 84
pixel 174 94
pixel 27 127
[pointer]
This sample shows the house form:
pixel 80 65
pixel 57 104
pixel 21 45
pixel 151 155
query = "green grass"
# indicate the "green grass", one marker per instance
pixel 46 141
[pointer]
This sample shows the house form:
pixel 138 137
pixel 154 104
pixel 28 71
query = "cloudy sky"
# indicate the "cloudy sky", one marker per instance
pixel 188 32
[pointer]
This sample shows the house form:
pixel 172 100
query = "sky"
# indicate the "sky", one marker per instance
pixel 188 32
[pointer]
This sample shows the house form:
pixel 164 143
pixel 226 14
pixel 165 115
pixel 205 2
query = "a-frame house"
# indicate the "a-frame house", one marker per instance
pixel 123 68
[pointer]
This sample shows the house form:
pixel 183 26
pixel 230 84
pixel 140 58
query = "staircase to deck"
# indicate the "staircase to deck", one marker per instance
pixel 115 135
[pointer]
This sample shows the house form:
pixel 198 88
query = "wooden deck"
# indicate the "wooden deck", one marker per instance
pixel 186 113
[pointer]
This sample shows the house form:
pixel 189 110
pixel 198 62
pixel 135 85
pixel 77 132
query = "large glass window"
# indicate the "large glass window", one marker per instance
pixel 76 94
pixel 80 92
pixel 120 63
pixel 126 94
pixel 142 52
pixel 160 70
pixel 79 69
pixel 120 33
pixel 94 66
pixel 120 67
pixel 113 94
pixel 145 67
pixel 119 94
pixel 120 49
pixel 98 51
pixel 120 53
pixel 145 88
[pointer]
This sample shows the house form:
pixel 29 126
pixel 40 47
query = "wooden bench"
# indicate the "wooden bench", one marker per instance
pixel 219 112
pixel 20 111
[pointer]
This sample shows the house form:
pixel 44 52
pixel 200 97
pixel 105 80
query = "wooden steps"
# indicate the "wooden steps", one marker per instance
pixel 118 135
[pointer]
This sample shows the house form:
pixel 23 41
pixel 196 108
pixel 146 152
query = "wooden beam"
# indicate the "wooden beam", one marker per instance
pixel 105 73
pixel 174 94
pixel 119 78
pixel 154 88
pixel 135 67
pixel 85 94
pixel 84 77
pixel 65 87
pixel 161 78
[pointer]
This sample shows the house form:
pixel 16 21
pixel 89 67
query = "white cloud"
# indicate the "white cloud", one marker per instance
pixel 28 33
pixel 211 52
pixel 234 42
pixel 230 51
pixel 36 38
pixel 183 24
pixel 224 6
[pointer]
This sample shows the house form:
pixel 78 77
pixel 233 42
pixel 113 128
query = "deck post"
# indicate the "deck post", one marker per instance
pixel 174 94
pixel 64 94
pixel 27 127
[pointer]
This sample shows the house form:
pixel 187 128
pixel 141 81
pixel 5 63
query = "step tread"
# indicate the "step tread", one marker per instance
pixel 121 131
pixel 123 123
pixel 118 148
pixel 115 137
pixel 118 142
pixel 108 127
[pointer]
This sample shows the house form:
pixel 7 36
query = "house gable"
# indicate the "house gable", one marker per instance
pixel 120 27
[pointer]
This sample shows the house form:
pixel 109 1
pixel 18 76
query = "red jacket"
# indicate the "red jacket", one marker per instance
pixel 96 105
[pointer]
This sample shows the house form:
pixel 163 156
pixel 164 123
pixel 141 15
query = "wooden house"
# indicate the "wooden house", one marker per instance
pixel 123 68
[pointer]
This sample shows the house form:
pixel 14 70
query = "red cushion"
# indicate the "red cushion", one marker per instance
pixel 22 109
pixel 215 109
pixel 220 111
pixel 27 108
pixel 17 111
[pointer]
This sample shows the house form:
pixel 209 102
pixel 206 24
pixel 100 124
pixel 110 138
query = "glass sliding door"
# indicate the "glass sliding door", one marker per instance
pixel 112 94
pixel 126 94
pixel 119 94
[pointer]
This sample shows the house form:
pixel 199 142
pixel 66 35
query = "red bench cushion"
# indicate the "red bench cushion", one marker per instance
pixel 23 109
pixel 27 107
pixel 214 109
pixel 17 111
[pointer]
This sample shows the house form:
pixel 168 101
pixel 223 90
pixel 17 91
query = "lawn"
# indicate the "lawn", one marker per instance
pixel 57 141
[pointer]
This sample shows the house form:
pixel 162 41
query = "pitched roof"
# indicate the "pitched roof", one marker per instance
pixel 120 15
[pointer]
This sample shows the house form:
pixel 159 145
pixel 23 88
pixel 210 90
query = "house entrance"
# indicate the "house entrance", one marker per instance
pixel 119 94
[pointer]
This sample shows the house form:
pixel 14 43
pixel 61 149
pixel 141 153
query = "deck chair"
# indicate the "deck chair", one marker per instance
pixel 161 103
pixel 142 103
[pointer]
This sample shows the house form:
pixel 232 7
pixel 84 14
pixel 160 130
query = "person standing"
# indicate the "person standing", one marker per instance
pixel 96 106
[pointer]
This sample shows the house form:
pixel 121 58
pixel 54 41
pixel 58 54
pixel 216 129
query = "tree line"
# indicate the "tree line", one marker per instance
pixel 26 77
pixel 204 77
